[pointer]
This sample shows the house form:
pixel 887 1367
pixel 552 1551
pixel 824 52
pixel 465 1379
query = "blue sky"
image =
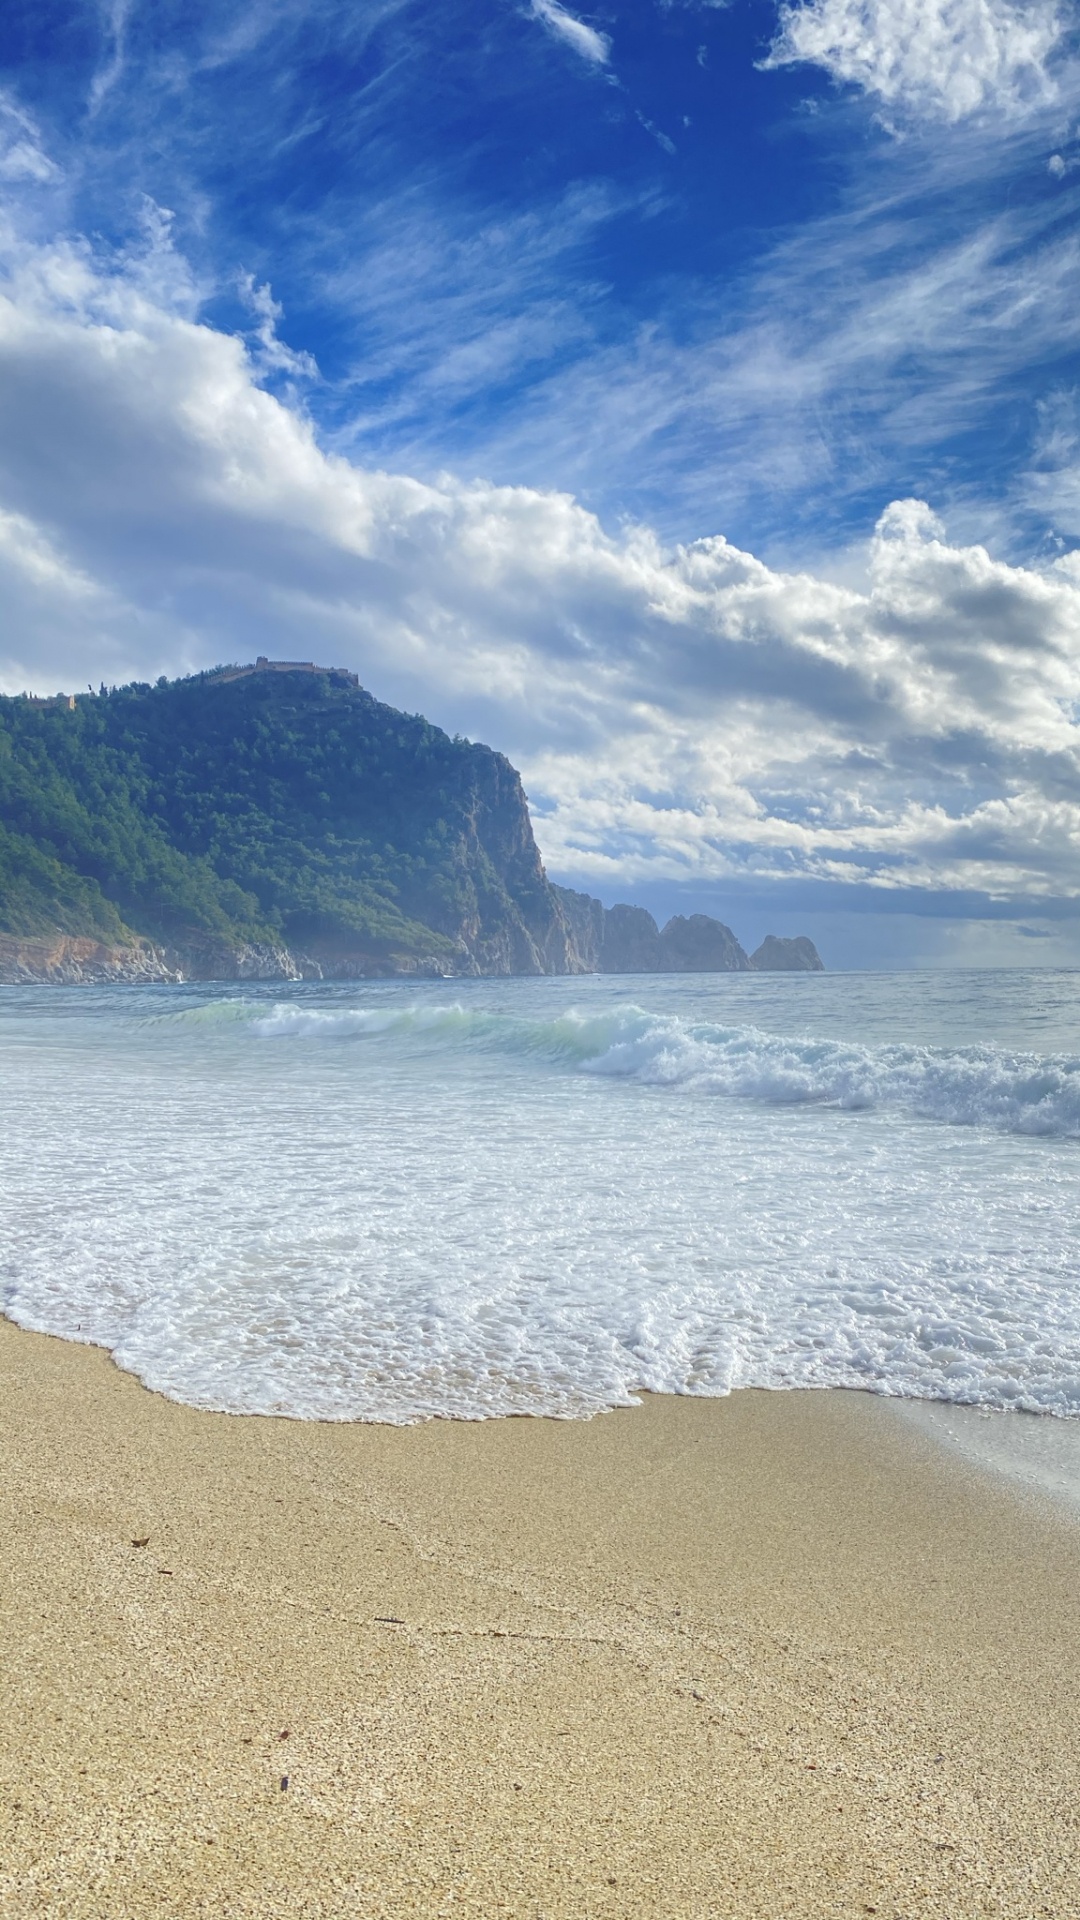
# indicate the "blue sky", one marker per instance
pixel 681 397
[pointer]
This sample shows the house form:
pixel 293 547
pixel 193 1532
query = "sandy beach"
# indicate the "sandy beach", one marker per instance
pixel 775 1654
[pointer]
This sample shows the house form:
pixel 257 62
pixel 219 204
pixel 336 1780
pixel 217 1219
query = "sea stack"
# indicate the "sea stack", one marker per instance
pixel 786 956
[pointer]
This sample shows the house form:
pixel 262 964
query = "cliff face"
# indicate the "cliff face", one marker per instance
pixel 507 917
pixel 565 938
pixel 631 942
pixel 71 962
pixel 585 920
pixel 626 939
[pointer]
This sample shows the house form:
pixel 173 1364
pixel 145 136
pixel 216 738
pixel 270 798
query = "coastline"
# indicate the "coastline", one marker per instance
pixel 774 1654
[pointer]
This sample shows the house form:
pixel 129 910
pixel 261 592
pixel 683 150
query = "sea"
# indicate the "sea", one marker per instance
pixel 398 1200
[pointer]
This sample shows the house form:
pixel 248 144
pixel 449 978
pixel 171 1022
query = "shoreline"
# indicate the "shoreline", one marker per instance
pixel 1034 1454
pixel 776 1653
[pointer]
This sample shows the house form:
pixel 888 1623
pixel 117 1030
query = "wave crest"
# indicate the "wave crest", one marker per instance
pixel 970 1086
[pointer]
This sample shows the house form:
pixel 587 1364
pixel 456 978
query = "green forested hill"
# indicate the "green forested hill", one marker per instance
pixel 261 822
pixel 285 809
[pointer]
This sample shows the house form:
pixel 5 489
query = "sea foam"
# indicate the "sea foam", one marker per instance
pixel 969 1086
pixel 398 1202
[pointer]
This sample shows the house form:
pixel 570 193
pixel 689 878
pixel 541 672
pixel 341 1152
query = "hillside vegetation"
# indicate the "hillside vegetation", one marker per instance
pixel 282 810
pixel 276 820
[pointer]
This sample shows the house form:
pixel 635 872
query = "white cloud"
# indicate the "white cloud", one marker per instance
pixel 25 550
pixel 115 15
pixel 943 58
pixel 689 713
pixel 585 40
pixel 54 607
pixel 1051 485
pixel 22 156
pixel 273 354
pixel 22 160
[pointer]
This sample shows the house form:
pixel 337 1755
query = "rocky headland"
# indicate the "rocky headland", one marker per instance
pixel 277 822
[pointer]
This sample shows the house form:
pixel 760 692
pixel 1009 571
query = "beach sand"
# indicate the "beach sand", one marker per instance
pixel 775 1654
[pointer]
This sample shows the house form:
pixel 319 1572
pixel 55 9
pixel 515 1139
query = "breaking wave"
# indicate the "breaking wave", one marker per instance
pixel 398 1202
pixel 970 1086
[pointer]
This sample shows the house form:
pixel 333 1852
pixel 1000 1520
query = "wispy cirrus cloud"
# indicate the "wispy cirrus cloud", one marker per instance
pixel 23 159
pixel 863 344
pixel 588 42
pixel 273 355
pixel 115 16
pixel 453 319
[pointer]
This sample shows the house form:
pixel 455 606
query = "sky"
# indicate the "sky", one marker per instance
pixel 682 397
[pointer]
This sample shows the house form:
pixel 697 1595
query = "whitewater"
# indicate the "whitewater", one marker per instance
pixel 401 1200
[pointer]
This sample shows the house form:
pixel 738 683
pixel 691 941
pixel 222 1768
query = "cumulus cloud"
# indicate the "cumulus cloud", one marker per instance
pixel 585 40
pixel 943 58
pixel 685 713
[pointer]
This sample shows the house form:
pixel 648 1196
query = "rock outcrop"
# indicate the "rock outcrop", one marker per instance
pixel 626 939
pixel 700 944
pixel 631 941
pixel 63 961
pixel 777 955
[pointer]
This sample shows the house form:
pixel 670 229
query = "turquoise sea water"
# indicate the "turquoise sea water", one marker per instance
pixel 393 1200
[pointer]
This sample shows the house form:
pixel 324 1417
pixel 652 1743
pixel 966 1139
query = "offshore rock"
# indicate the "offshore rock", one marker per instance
pixel 700 944
pixel 631 942
pixel 786 956
pixel 626 939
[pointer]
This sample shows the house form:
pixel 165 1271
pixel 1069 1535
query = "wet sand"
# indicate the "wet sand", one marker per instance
pixel 776 1654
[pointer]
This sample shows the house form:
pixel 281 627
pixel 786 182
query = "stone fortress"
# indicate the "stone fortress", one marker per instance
pixel 340 675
